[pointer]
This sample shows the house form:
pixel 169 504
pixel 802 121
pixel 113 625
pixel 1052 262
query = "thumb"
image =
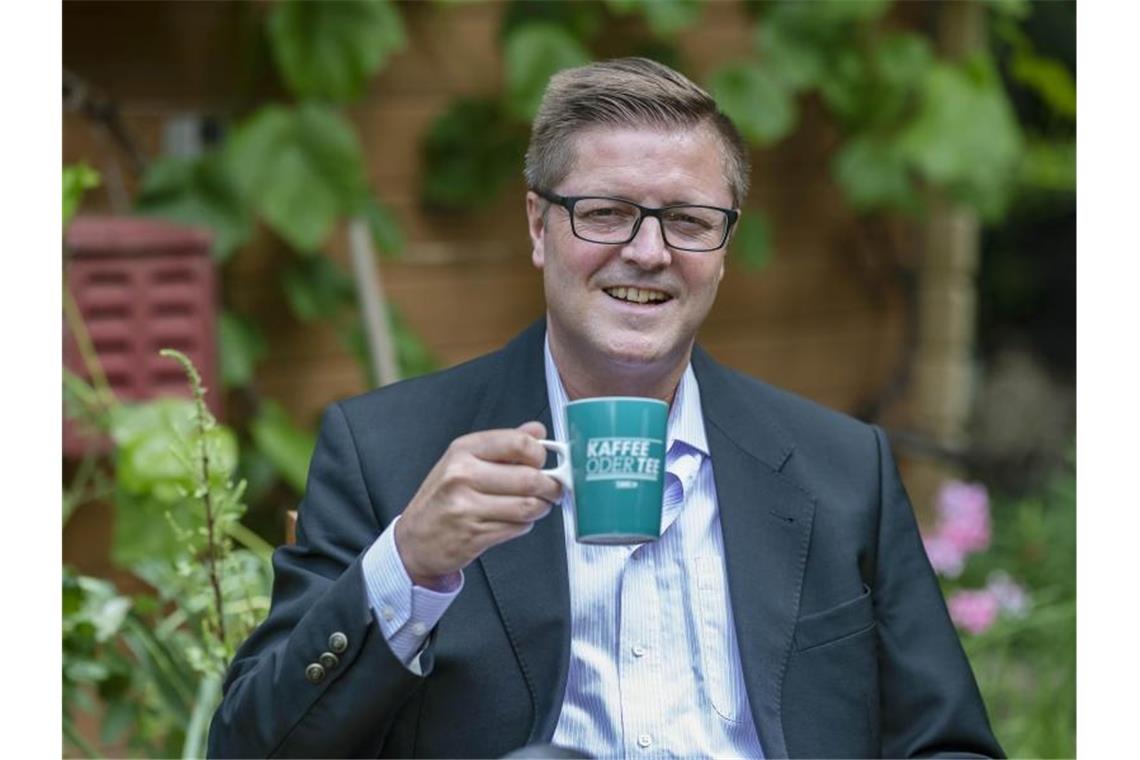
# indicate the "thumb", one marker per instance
pixel 534 428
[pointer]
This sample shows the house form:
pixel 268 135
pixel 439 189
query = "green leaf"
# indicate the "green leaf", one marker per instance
pixel 157 449
pixel 77 180
pixel 1049 79
pixel 845 89
pixel 827 17
pixel 532 54
pixel 874 175
pixel 965 137
pixel 794 63
pixel 666 18
pixel 752 241
pixel 300 169
pixel 241 346
pixel 286 445
pixel 582 20
pixel 331 50
pixel 469 152
pixel 205 702
pixel 117 718
pixel 761 107
pixel 902 59
pixel 1049 165
pixel 86 671
pixel 198 192
pixel 385 228
pixel 317 288
pixel 1018 9
pixel 96 603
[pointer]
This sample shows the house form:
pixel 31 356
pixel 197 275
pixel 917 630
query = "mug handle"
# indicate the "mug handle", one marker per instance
pixel 562 473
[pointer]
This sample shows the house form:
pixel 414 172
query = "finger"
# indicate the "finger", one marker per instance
pixel 507 446
pixel 493 511
pixel 496 478
pixel 534 428
pixel 499 533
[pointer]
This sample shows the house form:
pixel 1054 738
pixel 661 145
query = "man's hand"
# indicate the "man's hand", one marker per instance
pixel 487 488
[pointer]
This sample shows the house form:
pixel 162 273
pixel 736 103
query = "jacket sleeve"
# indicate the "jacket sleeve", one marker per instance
pixel 275 704
pixel 930 704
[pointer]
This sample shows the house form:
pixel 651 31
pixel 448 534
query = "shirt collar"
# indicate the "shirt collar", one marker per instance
pixel 686 423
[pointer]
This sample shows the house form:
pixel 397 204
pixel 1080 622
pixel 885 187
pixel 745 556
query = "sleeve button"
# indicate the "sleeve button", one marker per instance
pixel 329 660
pixel 338 642
pixel 315 673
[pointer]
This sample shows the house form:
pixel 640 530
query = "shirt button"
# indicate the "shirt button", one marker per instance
pixel 419 629
pixel 389 614
pixel 644 740
pixel 639 651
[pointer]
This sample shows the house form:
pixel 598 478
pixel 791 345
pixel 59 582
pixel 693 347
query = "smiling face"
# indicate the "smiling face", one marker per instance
pixel 622 318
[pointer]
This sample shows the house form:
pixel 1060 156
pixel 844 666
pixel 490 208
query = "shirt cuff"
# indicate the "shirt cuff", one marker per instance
pixel 405 612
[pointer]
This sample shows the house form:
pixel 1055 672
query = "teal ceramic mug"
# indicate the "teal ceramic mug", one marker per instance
pixel 614 465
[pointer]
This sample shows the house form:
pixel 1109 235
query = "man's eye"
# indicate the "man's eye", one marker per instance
pixel 688 220
pixel 603 212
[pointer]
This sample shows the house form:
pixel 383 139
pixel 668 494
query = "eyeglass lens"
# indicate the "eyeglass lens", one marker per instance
pixel 605 220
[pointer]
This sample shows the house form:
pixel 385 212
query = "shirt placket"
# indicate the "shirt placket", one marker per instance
pixel 639 655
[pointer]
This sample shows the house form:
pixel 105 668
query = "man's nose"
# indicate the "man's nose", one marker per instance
pixel 647 249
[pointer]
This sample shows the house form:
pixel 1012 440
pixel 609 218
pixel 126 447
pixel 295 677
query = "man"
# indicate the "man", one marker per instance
pixel 436 603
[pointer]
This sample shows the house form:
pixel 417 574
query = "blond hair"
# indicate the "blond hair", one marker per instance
pixel 625 92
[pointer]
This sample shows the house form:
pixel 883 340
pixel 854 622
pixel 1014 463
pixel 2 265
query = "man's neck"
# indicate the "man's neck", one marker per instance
pixel 588 380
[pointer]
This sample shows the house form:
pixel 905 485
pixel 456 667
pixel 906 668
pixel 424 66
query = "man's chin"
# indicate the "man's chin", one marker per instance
pixel 637 353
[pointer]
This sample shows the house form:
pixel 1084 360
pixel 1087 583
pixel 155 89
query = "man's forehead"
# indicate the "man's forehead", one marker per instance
pixel 613 154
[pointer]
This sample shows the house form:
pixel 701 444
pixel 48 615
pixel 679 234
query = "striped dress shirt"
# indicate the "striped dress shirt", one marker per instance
pixel 654 664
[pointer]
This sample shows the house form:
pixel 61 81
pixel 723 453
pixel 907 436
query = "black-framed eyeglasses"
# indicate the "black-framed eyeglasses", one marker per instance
pixel 614 221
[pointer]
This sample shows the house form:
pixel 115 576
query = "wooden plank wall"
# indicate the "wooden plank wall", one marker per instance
pixel 807 322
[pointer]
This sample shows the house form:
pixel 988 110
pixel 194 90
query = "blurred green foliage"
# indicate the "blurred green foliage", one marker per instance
pixel 155 659
pixel 910 119
pixel 298 170
pixel 330 51
pixel 200 191
pixel 1027 666
pixel 469 153
pixel 76 180
pixel 533 53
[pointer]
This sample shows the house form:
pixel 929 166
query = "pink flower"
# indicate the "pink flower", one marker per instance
pixel 945 556
pixel 973 611
pixel 964 516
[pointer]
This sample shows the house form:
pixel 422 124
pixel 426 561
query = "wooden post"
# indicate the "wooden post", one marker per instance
pixel 943 390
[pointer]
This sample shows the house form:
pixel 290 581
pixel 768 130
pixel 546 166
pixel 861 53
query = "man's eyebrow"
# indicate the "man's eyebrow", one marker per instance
pixel 630 199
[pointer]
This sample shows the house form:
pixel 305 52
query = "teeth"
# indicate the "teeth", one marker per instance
pixel 637 295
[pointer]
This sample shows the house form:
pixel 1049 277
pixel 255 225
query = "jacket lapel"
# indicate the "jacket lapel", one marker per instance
pixel 766 523
pixel 528 575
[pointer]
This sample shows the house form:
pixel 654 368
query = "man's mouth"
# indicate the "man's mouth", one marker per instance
pixel 637 295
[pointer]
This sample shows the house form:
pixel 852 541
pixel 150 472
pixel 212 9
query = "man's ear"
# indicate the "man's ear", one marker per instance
pixel 536 226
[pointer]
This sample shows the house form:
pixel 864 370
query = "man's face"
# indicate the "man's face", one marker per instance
pixel 591 325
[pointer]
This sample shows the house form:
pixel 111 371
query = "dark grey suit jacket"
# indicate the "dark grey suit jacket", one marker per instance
pixel 845 643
